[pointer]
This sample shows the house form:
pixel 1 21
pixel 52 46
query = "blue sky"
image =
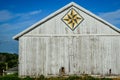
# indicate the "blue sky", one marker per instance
pixel 17 15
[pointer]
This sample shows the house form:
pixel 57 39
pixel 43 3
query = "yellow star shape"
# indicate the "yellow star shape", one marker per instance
pixel 72 19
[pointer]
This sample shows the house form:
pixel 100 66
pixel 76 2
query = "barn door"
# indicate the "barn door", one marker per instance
pixel 73 69
pixel 73 56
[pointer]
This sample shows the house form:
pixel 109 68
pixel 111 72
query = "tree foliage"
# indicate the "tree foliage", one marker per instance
pixel 8 60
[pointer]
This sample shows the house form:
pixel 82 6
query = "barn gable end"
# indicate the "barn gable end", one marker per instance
pixel 70 41
pixel 53 24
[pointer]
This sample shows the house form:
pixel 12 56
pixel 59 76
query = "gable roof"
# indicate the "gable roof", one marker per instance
pixel 61 10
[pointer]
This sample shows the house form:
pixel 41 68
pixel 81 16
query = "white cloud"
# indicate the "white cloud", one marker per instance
pixel 5 15
pixel 35 12
pixel 12 27
pixel 21 21
pixel 28 14
pixel 112 17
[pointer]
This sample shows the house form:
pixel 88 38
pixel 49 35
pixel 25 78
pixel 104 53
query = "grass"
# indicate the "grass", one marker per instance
pixel 74 77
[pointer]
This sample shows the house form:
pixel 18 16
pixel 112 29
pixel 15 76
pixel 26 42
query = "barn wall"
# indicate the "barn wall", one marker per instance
pixel 90 54
pixel 89 25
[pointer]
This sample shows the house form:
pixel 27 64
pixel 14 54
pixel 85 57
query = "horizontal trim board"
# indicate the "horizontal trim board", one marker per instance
pixel 66 35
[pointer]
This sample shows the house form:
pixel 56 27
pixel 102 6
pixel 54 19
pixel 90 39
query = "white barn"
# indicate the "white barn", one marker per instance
pixel 70 41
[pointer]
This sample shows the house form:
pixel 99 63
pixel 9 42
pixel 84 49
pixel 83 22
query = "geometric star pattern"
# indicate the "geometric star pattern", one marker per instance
pixel 72 19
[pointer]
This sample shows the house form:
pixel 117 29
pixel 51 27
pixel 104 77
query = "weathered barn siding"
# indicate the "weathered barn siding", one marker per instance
pixel 90 54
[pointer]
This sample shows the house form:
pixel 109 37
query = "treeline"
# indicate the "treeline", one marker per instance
pixel 8 60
